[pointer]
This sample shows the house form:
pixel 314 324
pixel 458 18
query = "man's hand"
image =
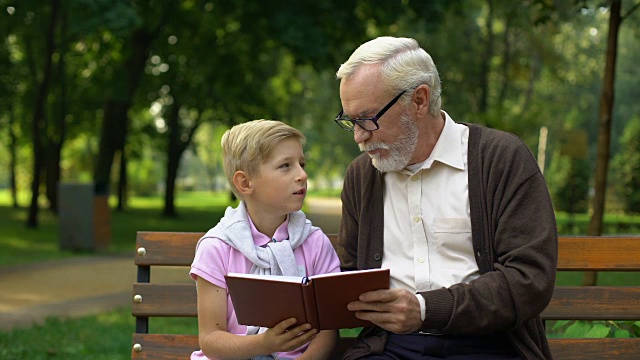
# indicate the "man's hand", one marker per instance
pixel 395 310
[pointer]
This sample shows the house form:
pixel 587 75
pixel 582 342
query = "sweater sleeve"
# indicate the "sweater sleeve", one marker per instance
pixel 360 243
pixel 348 231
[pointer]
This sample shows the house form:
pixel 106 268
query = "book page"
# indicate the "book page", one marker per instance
pixel 346 273
pixel 293 279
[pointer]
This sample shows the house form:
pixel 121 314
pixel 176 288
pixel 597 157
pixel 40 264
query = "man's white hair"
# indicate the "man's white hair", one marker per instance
pixel 405 66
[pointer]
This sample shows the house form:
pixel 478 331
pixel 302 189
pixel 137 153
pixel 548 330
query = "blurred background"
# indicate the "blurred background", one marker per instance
pixel 111 114
pixel 108 104
pixel 130 98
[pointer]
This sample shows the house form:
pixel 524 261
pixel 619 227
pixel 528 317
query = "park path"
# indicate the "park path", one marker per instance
pixel 86 285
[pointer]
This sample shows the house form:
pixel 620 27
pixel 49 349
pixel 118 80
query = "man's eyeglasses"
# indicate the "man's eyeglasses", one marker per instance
pixel 370 124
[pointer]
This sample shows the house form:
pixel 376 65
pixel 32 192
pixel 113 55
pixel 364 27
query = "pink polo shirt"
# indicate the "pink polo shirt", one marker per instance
pixel 214 258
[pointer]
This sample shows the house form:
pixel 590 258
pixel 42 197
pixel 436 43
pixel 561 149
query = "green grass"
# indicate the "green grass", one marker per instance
pixel 20 245
pixel 106 336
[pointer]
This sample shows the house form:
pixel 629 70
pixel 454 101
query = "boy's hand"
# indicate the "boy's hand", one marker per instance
pixel 279 339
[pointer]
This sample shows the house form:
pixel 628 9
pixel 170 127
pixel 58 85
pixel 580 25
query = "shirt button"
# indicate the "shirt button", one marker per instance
pixel 414 177
pixel 416 219
pixel 421 260
pixel 377 256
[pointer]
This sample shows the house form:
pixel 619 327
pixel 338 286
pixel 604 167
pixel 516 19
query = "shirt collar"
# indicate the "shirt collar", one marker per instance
pixel 260 239
pixel 448 149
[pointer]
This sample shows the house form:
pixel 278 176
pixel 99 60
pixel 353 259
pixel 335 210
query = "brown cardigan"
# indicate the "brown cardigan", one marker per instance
pixel 514 240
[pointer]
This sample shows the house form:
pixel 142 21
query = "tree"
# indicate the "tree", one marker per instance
pixel 38 121
pixel 147 22
pixel 605 117
pixel 267 44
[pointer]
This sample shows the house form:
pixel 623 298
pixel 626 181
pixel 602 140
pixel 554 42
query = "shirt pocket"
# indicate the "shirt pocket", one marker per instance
pixel 453 242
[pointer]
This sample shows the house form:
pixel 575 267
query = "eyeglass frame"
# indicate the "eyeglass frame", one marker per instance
pixel 359 121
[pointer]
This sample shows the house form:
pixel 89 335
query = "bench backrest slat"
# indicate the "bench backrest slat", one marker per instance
pixel 179 300
pixel 580 253
pixel 593 303
pixel 599 253
pixel 164 346
pixel 567 303
pixel 166 248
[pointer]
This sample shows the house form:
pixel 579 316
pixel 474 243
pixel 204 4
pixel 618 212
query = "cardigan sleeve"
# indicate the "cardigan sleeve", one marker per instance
pixel 515 243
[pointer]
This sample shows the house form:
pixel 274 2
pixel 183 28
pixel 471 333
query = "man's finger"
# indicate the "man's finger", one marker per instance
pixel 379 295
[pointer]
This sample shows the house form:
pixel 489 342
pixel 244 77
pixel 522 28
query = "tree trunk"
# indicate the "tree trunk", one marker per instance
pixel 122 183
pixel 536 68
pixel 115 122
pixel 604 130
pixel 13 140
pixel 38 117
pixel 54 144
pixel 174 152
pixel 52 173
pixel 113 131
pixel 176 147
pixel 56 139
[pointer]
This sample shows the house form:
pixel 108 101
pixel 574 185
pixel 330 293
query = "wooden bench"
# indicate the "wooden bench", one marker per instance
pixel 569 302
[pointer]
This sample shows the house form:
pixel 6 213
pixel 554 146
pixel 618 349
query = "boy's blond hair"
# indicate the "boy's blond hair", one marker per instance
pixel 246 146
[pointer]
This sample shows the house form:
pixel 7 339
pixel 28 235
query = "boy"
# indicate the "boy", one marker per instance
pixel 266 234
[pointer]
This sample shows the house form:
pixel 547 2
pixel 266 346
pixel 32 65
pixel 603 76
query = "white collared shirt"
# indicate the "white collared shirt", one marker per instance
pixel 427 229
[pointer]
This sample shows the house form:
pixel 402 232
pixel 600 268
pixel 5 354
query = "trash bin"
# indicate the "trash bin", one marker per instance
pixel 84 217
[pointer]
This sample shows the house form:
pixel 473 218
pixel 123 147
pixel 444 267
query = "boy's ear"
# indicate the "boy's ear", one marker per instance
pixel 242 183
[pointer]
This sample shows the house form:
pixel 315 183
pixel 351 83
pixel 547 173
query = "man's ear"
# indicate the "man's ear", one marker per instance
pixel 242 183
pixel 421 97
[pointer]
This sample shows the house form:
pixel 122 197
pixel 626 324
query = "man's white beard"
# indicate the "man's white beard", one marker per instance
pixel 399 153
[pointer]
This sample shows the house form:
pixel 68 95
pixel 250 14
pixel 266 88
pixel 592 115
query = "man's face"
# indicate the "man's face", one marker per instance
pixel 397 154
pixel 391 147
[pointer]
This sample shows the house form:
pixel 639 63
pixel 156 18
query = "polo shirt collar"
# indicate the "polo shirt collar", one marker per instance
pixel 260 239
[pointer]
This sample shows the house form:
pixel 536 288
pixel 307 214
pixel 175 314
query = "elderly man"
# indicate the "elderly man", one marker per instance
pixel 460 214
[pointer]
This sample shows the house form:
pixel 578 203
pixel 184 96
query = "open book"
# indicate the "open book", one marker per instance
pixel 320 300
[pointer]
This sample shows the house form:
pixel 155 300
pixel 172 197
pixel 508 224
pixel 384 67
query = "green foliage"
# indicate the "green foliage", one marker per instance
pixel 626 166
pixel 225 62
pixel 576 224
pixel 145 173
pixel 568 180
pixel 91 16
pixel 595 329
pixel 350 332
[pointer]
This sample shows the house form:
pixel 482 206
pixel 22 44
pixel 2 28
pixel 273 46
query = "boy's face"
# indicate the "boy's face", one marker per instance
pixel 281 184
